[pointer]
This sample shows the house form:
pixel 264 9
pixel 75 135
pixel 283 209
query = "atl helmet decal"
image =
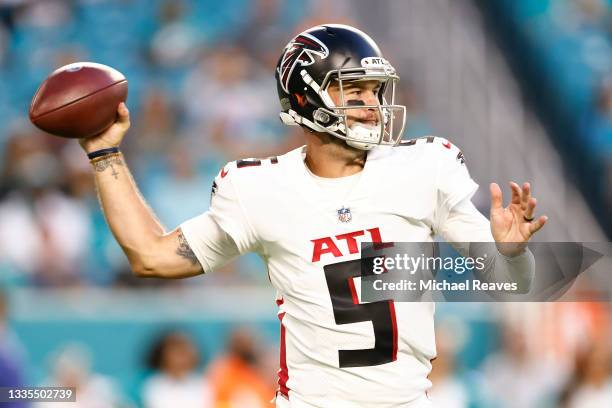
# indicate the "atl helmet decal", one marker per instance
pixel 302 49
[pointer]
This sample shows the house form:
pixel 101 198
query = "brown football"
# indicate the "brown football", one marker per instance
pixel 78 100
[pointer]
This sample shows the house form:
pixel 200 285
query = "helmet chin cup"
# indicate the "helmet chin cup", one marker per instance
pixel 363 137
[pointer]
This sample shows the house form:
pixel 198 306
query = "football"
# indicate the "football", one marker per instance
pixel 78 100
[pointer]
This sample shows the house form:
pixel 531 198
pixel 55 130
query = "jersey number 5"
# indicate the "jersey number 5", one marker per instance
pixel 347 309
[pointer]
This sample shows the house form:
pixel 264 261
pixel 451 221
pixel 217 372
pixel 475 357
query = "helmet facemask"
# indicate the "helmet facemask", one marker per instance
pixel 334 118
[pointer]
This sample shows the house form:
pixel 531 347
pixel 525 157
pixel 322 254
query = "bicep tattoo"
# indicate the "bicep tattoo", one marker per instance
pixel 184 250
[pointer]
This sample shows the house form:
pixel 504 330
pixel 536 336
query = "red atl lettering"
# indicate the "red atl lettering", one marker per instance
pixel 327 245
pixel 324 246
pixel 351 241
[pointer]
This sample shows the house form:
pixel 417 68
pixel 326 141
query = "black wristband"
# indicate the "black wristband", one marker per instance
pixel 102 152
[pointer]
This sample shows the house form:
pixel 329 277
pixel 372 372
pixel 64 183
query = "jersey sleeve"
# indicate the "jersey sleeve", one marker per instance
pixel 464 223
pixel 453 181
pixel 211 245
pixel 227 211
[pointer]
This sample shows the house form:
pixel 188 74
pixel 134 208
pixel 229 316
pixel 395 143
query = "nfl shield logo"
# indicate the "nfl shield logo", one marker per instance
pixel 344 214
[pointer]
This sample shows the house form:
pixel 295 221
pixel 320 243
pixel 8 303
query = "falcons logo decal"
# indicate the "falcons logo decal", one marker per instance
pixel 302 49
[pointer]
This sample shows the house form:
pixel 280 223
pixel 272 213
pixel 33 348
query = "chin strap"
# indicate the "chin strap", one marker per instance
pixel 288 119
pixel 292 118
pixel 368 136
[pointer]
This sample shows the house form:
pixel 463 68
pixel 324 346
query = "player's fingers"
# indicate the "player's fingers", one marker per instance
pixel 123 114
pixel 530 209
pixel 537 224
pixel 496 196
pixel 122 110
pixel 526 195
pixel 516 193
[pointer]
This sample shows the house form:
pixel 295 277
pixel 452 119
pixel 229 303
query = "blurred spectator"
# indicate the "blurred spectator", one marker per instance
pixel 8 8
pixel 232 102
pixel 12 359
pixel 71 367
pixel 597 129
pixel 514 377
pixel 176 382
pixel 176 43
pixel 181 182
pixel 265 33
pixel 4 42
pixel 236 378
pixel 448 391
pixel 325 12
pixel 577 15
pixel 591 382
pixel 597 124
pixel 45 14
pixel 78 182
pixel 586 23
pixel 607 188
pixel 155 131
pixel 43 231
pixel 69 54
pixel 563 328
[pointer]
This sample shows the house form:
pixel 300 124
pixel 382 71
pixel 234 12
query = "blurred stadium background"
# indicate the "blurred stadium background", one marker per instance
pixel 524 87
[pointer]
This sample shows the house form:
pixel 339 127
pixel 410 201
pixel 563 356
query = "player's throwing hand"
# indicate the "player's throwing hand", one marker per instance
pixel 515 224
pixel 112 136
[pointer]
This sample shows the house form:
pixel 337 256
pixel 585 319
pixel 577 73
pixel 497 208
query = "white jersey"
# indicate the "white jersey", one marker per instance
pixel 336 351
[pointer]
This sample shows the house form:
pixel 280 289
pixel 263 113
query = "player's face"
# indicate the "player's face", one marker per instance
pixel 358 93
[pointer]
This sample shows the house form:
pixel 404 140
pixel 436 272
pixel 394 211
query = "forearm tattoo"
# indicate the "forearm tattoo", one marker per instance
pixel 184 250
pixel 106 162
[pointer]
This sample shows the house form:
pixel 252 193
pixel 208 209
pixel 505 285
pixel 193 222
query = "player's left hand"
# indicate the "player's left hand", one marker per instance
pixel 514 225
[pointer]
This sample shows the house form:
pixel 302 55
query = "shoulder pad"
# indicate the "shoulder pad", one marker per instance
pixel 240 166
pixel 435 144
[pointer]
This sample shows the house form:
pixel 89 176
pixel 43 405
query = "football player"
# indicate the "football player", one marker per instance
pixel 352 182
